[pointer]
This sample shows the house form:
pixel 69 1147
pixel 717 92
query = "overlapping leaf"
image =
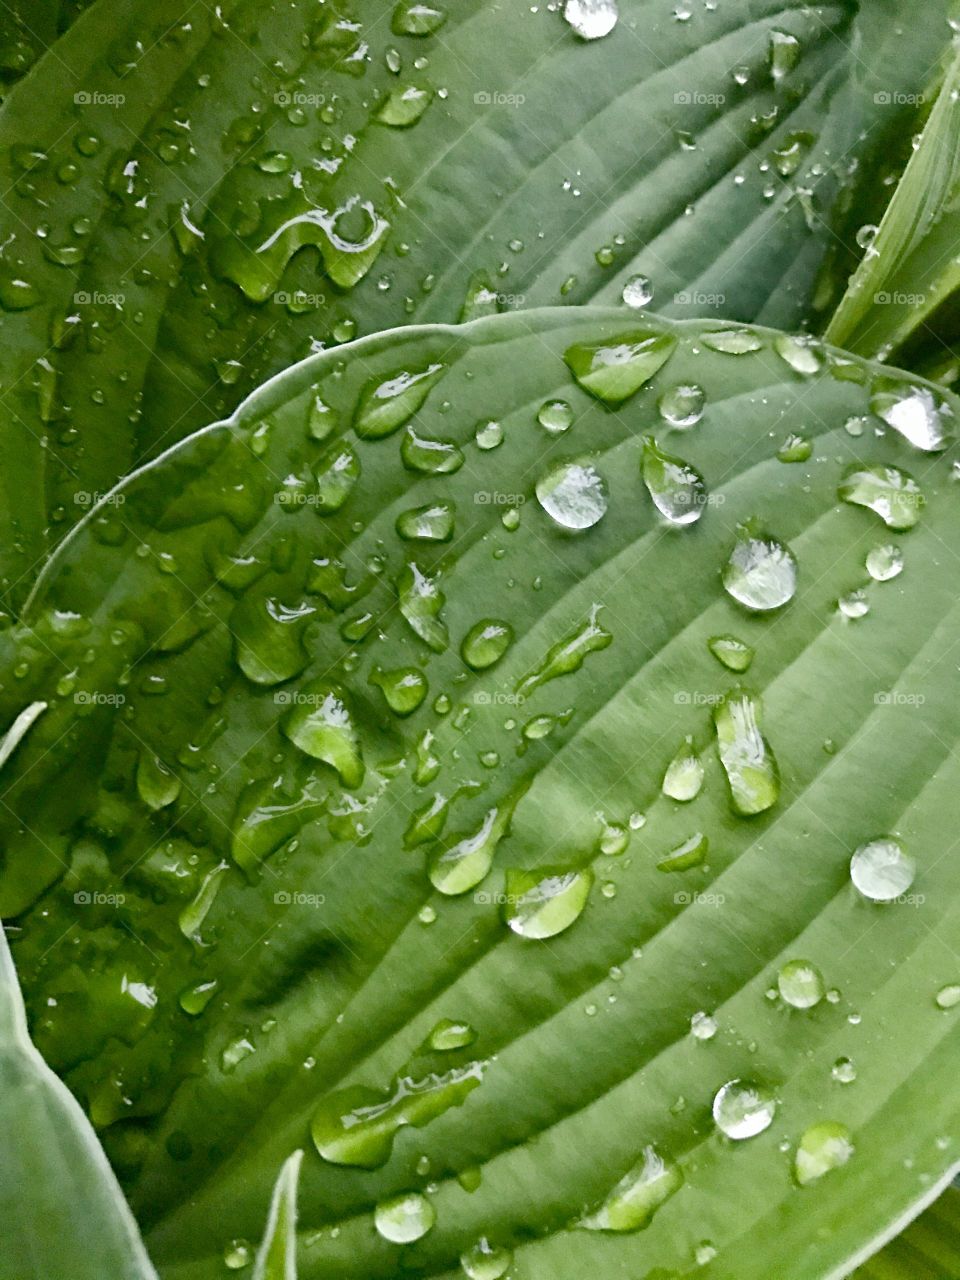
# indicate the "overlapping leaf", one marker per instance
pixel 222 930
pixel 167 167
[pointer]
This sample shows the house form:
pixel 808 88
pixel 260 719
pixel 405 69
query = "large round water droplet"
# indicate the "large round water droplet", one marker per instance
pixel 591 19
pixel 405 1218
pixel 638 292
pixel 574 494
pixel 884 562
pixel 801 984
pixel 761 573
pixel 485 643
pixel 882 870
pixel 485 1261
pixel 743 1108
pixel 682 405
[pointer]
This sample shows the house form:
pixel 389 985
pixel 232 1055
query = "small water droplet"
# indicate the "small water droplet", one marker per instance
pixel 745 754
pixel 884 562
pixel 485 643
pixel 613 370
pixel 703 1026
pixel 485 1261
pixel 733 342
pixel 682 405
pixel 543 902
pixel 573 494
pixel 795 449
pixel 677 489
pixel 854 604
pixel 555 416
pixel 734 654
pixel 882 870
pixel 761 572
pixel 404 1218
pixel 743 1108
pixel 843 1071
pixel 684 774
pixel 948 997
pixel 824 1147
pixel 801 984
pixel 638 292
pixel 893 494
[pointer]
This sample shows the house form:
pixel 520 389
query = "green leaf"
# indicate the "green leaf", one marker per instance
pixel 62 1209
pixel 928 1249
pixel 910 267
pixel 199 199
pixel 269 959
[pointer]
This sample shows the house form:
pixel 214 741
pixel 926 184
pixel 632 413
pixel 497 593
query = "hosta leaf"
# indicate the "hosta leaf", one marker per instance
pixel 63 1212
pixel 928 1249
pixel 910 266
pixel 730 1014
pixel 198 196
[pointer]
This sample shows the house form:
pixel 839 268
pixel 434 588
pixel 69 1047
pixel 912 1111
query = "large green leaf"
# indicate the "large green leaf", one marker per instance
pixel 929 1249
pixel 160 144
pixel 218 935
pixel 63 1213
pixel 910 267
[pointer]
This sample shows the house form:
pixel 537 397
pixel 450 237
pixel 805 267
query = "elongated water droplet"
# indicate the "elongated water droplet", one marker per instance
pixel 573 494
pixel 485 1261
pixel 267 816
pixel 195 998
pixel 801 353
pixel 733 653
pixel 405 1218
pixel 948 997
pixel 824 1147
pixel 761 572
pixel 385 406
pixel 449 1035
pixel 743 1108
pixel 268 638
pixel 882 870
pixel 420 603
pixel 893 494
pixel 569 653
pixel 337 472
pixel 591 19
pixel 733 342
pixel 745 754
pixel 801 984
pixel 682 405
pixel 784 53
pixel 413 18
pixel 430 456
pixel 684 774
pixel 464 860
pixel 884 562
pixel 632 1203
pixel 543 902
pixel 322 726
pixel 614 369
pixel 920 416
pixel 195 912
pixel 156 785
pixel 485 643
pixel 678 490
pixel 404 106
pixel 432 523
pixel 688 853
pixel 357 1125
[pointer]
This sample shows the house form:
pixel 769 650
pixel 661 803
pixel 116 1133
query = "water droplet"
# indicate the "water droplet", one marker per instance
pixel 321 725
pixel 404 1218
pixel 404 106
pixel 703 1026
pixel 733 342
pixel 555 416
pixel 337 472
pixel 824 1146
pixel 631 1204
pixel 156 785
pixel 195 998
pixel 743 1108
pixel 574 494
pixel 761 572
pixel 411 18
pixel 613 370
pixel 684 774
pixel 677 489
pixel 357 1125
pixel 795 449
pixel 638 292
pixel 403 688
pixel 268 814
pixel 882 870
pixel 420 603
pixel 854 604
pixel 485 1261
pixel 731 652
pixel 801 984
pixel 485 643
pixel 682 405
pixel 464 860
pixel 784 53
pixel 448 1035
pixel 948 997
pixel 568 654
pixel 745 754
pixel 591 19
pixel 432 523
pixel 543 902
pixel 884 562
pixel 801 353
pixel 432 457
pixel 385 406
pixel 920 417
pixel 843 1071
pixel 866 234
pixel 688 853
pixel 893 494
pixel 237 1255
pixel 268 638
pixel 488 435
